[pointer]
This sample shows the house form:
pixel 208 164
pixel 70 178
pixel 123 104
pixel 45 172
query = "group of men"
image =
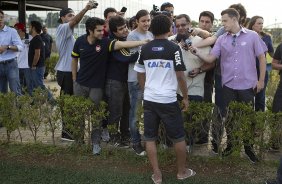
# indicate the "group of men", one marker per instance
pixel 115 68
pixel 23 56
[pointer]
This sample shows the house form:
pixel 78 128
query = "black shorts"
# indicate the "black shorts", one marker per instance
pixel 169 114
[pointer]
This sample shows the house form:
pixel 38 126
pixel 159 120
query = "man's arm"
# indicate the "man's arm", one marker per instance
pixel 201 33
pixel 90 5
pixel 262 68
pixel 51 43
pixel 129 44
pixel 141 80
pixel 35 58
pixel 205 57
pixel 276 64
pixel 74 66
pixel 183 88
pixel 206 42
pixel 204 68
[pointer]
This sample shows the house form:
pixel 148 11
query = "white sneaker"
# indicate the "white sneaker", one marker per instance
pixel 105 135
pixel 96 149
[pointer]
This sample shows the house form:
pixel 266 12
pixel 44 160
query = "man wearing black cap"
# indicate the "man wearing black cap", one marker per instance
pixel 64 43
pixel 10 44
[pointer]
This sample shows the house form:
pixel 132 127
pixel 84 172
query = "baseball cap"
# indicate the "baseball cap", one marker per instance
pixel 63 12
pixel 20 26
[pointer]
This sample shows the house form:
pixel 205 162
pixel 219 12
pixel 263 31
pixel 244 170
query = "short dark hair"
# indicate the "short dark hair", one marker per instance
pixel 92 22
pixel 242 12
pixel 115 22
pixel 1 11
pixel 131 21
pixel 207 14
pixel 231 12
pixel 141 13
pixel 160 25
pixel 166 5
pixel 183 16
pixel 108 10
pixel 37 26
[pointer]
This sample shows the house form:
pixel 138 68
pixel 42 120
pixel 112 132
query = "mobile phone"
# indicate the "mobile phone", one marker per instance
pixel 123 9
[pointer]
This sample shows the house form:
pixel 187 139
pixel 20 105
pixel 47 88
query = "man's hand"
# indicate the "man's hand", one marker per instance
pixel 195 31
pixel 3 49
pixel 260 86
pixel 121 13
pixel 91 4
pixel 146 41
pixel 193 73
pixel 194 50
pixel 185 104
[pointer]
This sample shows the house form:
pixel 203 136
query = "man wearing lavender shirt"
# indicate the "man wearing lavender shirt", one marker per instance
pixel 238 48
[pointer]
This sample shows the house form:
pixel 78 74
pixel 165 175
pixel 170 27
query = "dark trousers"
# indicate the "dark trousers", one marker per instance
pixel 195 130
pixel 204 132
pixel 64 80
pixel 217 126
pixel 279 172
pixel 117 97
pixel 277 107
pixel 229 95
pixel 260 97
pixel 277 100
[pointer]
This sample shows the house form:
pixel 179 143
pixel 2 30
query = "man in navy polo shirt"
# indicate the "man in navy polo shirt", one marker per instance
pixel 93 50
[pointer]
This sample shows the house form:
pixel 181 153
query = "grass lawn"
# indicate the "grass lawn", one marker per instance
pixel 32 163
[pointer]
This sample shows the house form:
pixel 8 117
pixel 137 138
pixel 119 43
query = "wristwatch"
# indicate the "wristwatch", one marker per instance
pixel 200 70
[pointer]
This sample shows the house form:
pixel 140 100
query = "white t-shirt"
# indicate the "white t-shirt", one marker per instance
pixel 159 60
pixel 64 43
pixel 22 57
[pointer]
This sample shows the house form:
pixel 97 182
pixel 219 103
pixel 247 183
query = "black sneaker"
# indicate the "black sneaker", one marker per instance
pixel 251 155
pixel 202 142
pixel 227 151
pixel 139 150
pixel 214 151
pixel 66 137
pixel 122 144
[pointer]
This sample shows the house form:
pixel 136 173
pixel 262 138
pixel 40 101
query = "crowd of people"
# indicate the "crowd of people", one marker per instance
pixel 152 60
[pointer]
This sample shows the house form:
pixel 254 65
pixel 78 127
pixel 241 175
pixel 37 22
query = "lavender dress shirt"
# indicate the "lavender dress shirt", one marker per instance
pixel 238 58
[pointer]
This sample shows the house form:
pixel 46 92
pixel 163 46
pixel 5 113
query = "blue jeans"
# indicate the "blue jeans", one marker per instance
pixel 37 80
pixel 135 95
pixel 26 80
pixel 9 73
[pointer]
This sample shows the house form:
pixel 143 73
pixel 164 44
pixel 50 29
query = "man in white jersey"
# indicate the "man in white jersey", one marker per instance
pixel 160 70
pixel 64 43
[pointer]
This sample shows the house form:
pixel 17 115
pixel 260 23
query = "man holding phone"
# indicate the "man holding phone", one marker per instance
pixel 64 43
